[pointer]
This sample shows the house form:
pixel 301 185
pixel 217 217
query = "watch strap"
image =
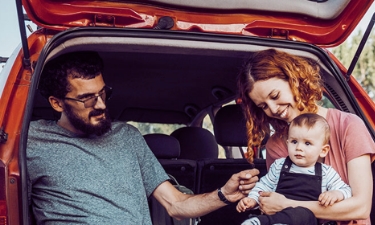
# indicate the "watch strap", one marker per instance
pixel 222 197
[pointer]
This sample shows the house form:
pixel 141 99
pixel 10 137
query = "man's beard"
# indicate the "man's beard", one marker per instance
pixel 88 129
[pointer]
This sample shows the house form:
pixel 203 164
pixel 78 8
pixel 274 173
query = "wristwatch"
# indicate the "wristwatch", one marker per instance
pixel 222 197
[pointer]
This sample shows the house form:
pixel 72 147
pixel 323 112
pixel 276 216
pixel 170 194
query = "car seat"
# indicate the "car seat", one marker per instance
pixel 196 143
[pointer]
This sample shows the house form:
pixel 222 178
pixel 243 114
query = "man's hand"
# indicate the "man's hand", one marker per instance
pixel 328 198
pixel 240 184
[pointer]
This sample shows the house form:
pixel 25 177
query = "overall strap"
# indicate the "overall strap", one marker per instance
pixel 287 164
pixel 318 169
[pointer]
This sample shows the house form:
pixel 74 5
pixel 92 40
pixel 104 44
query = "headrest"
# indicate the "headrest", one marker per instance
pixel 196 143
pixel 230 126
pixel 163 146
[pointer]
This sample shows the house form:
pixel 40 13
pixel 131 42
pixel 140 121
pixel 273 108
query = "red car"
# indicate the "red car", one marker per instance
pixel 171 64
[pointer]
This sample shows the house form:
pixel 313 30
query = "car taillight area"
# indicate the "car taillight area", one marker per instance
pixel 3 204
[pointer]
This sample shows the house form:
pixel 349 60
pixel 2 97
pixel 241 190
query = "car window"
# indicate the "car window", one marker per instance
pixel 325 102
pixel 207 124
pixel 149 128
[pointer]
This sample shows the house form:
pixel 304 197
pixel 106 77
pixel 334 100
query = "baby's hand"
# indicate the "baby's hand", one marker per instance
pixel 245 204
pixel 328 198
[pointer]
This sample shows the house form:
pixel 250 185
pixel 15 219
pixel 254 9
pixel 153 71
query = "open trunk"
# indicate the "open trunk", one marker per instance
pixel 178 78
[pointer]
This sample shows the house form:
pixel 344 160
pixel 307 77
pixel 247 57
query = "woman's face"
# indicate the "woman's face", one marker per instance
pixel 275 98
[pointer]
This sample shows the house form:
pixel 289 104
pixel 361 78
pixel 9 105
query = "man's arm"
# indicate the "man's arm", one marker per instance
pixel 181 205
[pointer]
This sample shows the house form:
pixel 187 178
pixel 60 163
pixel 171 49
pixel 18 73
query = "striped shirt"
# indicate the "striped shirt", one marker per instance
pixel 330 179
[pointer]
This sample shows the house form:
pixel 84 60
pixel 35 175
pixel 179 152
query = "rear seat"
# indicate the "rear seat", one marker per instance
pixel 167 150
pixel 196 143
pixel 213 174
pixel 230 130
pixel 199 147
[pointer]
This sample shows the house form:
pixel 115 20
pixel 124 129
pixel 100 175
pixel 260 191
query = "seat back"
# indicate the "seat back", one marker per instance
pixel 230 126
pixel 163 146
pixel 213 174
pixel 167 150
pixel 229 130
pixel 196 143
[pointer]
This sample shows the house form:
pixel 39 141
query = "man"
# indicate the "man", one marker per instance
pixel 86 169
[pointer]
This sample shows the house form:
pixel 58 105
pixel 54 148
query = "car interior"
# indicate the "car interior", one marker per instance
pixel 169 78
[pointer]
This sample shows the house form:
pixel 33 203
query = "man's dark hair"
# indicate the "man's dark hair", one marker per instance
pixel 54 80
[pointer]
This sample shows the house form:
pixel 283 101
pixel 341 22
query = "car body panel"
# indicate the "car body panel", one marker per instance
pixel 15 97
pixel 13 103
pixel 324 23
pixel 19 81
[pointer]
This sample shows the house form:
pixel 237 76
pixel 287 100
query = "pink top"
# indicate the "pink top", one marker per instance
pixel 349 139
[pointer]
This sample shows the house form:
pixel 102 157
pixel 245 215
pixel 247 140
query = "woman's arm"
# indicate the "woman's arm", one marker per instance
pixel 355 208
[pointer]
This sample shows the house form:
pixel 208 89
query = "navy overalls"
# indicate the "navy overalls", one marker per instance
pixel 296 186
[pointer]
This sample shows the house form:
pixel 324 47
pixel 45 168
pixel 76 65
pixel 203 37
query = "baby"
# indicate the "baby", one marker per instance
pixel 300 176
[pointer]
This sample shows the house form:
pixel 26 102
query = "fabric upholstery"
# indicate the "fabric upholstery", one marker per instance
pixel 196 143
pixel 230 126
pixel 163 146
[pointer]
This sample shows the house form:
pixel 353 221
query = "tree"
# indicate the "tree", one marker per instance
pixel 364 70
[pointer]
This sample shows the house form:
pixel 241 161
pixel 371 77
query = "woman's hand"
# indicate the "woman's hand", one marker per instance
pixel 272 202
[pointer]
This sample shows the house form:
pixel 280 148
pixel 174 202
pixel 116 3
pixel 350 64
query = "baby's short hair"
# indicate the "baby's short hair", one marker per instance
pixel 310 120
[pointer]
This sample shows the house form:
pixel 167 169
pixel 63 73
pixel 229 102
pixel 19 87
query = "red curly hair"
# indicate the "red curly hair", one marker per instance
pixel 303 76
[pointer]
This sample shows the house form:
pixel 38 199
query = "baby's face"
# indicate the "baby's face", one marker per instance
pixel 305 144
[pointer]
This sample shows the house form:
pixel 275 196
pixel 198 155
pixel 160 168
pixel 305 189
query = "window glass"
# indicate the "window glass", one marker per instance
pixel 207 124
pixel 149 128
pixel 326 103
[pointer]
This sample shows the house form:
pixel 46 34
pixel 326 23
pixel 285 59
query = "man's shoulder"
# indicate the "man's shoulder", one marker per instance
pixel 40 133
pixel 123 127
pixel 42 122
pixel 39 125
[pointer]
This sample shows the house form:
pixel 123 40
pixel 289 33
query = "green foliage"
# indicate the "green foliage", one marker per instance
pixel 326 103
pixel 364 71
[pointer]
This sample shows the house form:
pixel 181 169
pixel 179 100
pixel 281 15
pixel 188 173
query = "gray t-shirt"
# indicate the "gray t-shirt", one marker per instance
pixel 95 180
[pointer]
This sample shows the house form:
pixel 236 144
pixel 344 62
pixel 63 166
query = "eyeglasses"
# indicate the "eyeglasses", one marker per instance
pixel 91 101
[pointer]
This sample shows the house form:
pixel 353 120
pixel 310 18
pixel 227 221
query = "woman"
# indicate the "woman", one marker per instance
pixel 275 87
